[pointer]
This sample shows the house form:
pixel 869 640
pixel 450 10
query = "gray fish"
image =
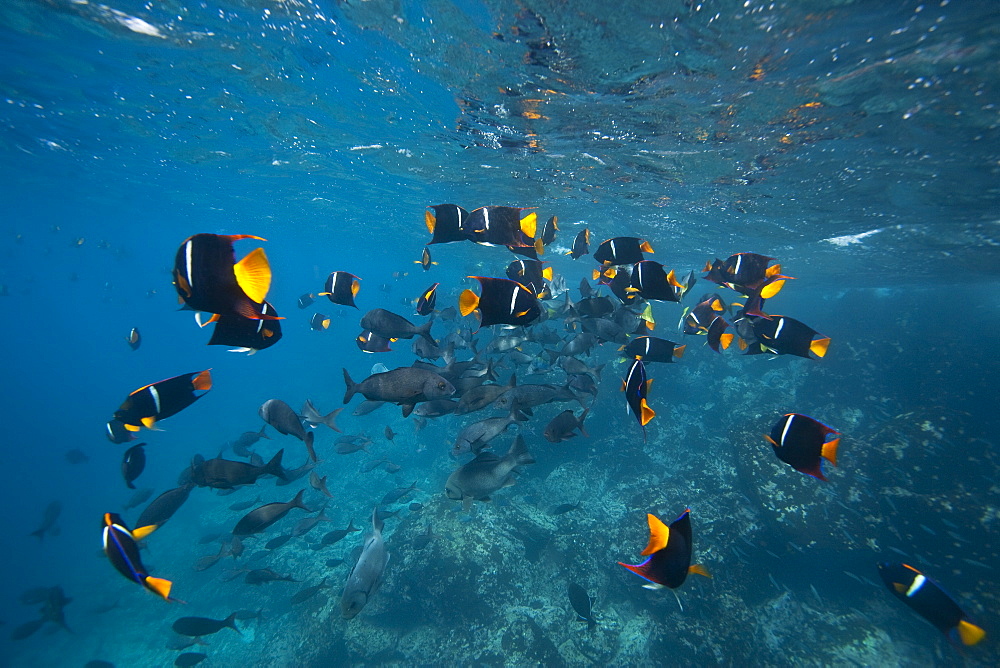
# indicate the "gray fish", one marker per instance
pixel 236 547
pixel 247 615
pixel 241 446
pixel 428 351
pixel 436 408
pixel 277 541
pixel 474 437
pixel 564 508
pixel 306 524
pixel 572 365
pixel 347 445
pixel 581 344
pixel 525 397
pixel 188 659
pixel 203 626
pixel 163 507
pixel 424 539
pixel 405 386
pixel 319 484
pixel 261 575
pixel 391 326
pixel 398 493
pixel 563 426
pixel 210 560
pixel 49 518
pixel 280 415
pixel 259 519
pixel 373 464
pixel 581 602
pixel 605 330
pixel 314 417
pixel 226 474
pixel 502 344
pixel 482 396
pixel 367 406
pixel 35 595
pixel 487 473
pixel 178 643
pixel 389 433
pixel 210 538
pixel 243 505
pixel 339 534
pixel 139 498
pixel 52 608
pixel 333 563
pixel 291 475
pixel 366 576
pixel 309 592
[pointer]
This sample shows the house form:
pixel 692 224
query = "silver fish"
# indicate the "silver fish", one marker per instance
pixel 366 576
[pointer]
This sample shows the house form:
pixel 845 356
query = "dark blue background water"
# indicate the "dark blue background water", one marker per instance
pixel 327 129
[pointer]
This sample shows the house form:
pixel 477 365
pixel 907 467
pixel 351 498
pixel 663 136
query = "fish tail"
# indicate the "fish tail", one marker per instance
pixel 297 501
pixel 261 434
pixel 330 420
pixel 969 633
pixel 424 330
pixel 158 586
pixel 352 387
pixel 274 466
pixel 583 416
pixel 308 440
pixel 231 623
pixel 519 452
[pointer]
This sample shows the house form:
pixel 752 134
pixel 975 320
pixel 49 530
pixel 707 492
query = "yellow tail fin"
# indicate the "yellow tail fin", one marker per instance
pixel 829 451
pixel 159 586
pixel 430 221
pixel 529 224
pixel 970 633
pixel 659 534
pixel 468 302
pixel 253 274
pixel 699 570
pixel 819 346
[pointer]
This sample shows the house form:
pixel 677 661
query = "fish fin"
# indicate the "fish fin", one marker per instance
pixel 829 451
pixel 539 246
pixel 742 344
pixel 253 274
pixel 647 413
pixel 771 289
pixel 725 341
pixel 773 270
pixel 659 535
pixel 899 587
pixel 970 633
pixel 679 351
pixel 203 381
pixel 699 569
pixel 430 221
pixel 158 586
pixel 770 440
pixel 596 274
pixel 197 318
pixel 468 302
pixel 717 305
pixel 467 503
pixel 646 247
pixel 355 286
pixel 547 273
pixel 672 280
pixel 819 346
pixel 529 224
pixel 623 386
pixel 131 427
pixel 141 532
pixel 148 422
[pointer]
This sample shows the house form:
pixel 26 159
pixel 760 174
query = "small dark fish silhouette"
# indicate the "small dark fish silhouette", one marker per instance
pixel 261 518
pixel 581 602
pixel 424 539
pixel 564 508
pixel 309 592
pixel 262 575
pixel 339 534
pixel 188 659
pixel 133 464
pixel 203 626
pixel 49 518
pixel 76 456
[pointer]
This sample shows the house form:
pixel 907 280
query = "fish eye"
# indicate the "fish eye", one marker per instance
pixel 441 385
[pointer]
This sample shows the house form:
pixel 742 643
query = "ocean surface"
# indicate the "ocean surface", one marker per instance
pixel 855 142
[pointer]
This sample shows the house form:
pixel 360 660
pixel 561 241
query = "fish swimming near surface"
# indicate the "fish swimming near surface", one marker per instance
pixel 582 604
pixel 280 415
pixel 500 226
pixel 248 335
pixel 563 426
pixel 651 281
pixel 341 288
pixel 391 326
pixel 532 275
pixel 157 401
pixel 425 259
pixel 203 626
pixel 716 337
pixel 222 473
pixel 49 518
pixel 748 274
pixel 134 338
pixel 622 250
pixel 445 223
pixel 163 507
pixel 669 550
pixel 548 234
pixel 500 301
pixel 405 386
pixel 581 244
pixel 929 600
pixel 427 300
pixel 652 349
pixel 208 278
pixel 259 519
pixel 800 441
pixel 786 336
pixel 133 464
pixel 123 553
pixel 368 572
pixel 636 389
pixel 487 473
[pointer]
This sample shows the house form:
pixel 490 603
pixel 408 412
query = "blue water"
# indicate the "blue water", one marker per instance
pixel 856 142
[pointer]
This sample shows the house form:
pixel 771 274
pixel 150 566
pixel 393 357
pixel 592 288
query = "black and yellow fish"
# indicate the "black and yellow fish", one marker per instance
pixel 319 322
pixel 717 335
pixel 246 334
pixel 800 442
pixel 123 553
pixel 370 342
pixel 748 274
pixel 650 281
pixel 929 600
pixel 157 401
pixel 622 250
pixel 500 226
pixel 208 278
pixel 636 389
pixel 501 302
pixel 786 336
pixel 341 288
pixel 445 223
pixel 581 244
pixel 427 300
pixel 669 551
pixel 531 274
pixel 652 349
pixel 425 259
